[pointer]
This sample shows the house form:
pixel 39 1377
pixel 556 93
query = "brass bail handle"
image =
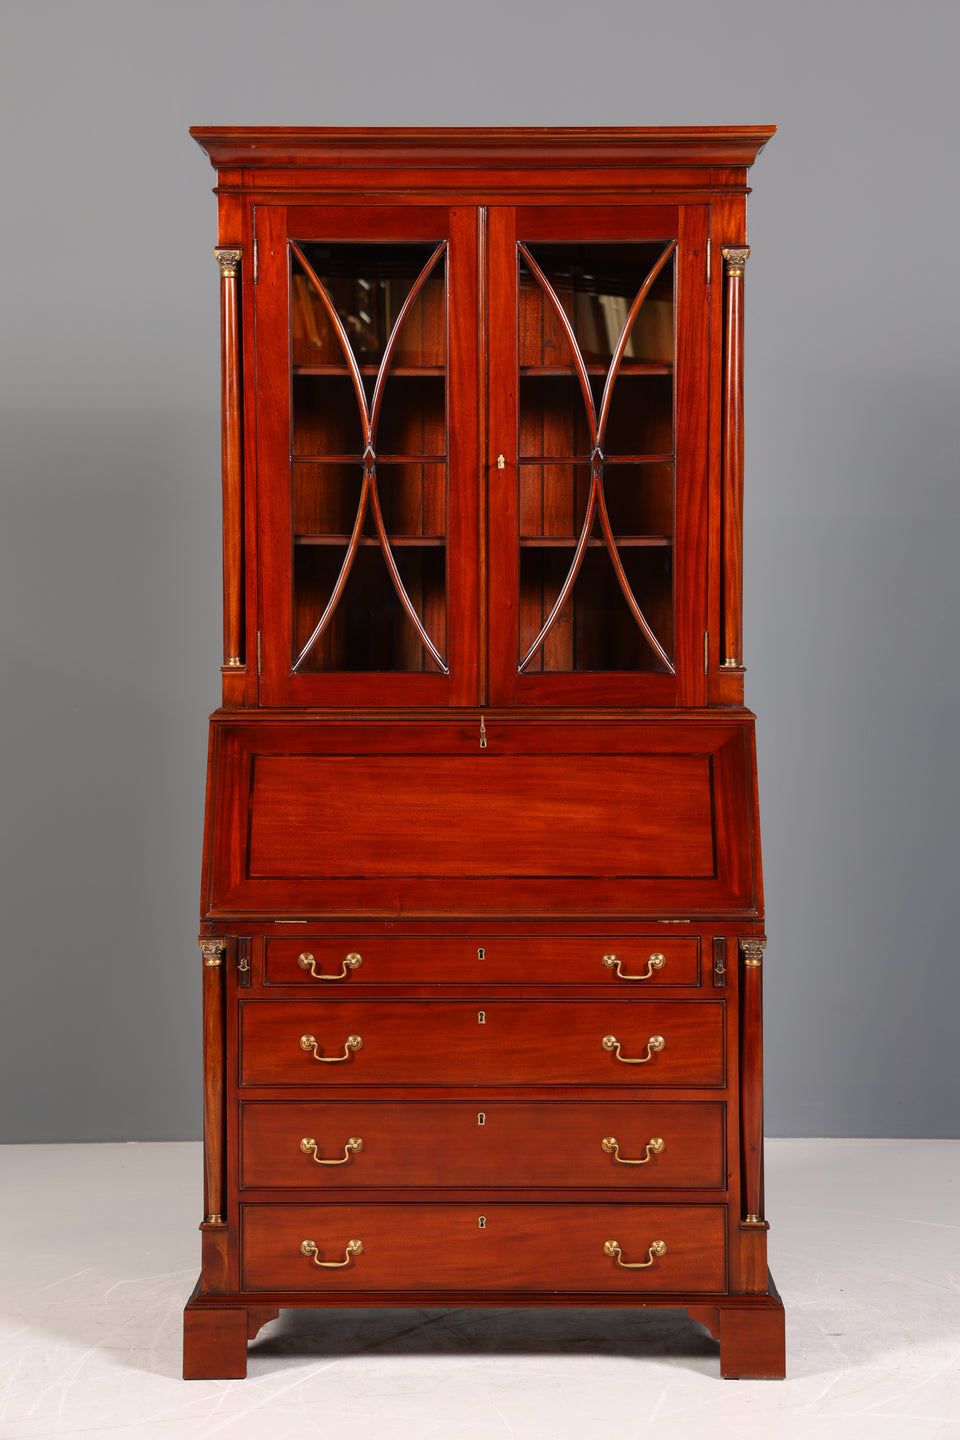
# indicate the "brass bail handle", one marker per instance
pixel 655 962
pixel 353 1147
pixel 655 1043
pixel 612 1248
pixel 352 1042
pixel 307 961
pixel 309 1247
pixel 609 1146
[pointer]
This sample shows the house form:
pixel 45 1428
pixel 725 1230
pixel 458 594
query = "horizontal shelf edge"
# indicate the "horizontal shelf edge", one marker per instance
pixel 420 541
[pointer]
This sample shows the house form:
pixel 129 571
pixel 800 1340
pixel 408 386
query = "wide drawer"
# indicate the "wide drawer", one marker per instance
pixel 488 1247
pixel 614 1144
pixel 507 1042
pixel 357 960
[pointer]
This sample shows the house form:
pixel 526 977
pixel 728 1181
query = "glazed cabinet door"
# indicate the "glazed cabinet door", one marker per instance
pixel 367 455
pixel 597 455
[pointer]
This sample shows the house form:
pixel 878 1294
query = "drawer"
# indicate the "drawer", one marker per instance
pixel 487 1247
pixel 607 959
pixel 507 1042
pixel 481 1143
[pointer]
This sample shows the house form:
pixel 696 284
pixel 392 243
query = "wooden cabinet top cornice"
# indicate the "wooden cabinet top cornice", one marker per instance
pixel 433 149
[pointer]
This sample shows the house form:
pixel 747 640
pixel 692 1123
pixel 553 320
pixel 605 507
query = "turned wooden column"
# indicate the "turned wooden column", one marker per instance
pixel 751 1078
pixel 231 453
pixel 213 951
pixel 754 1277
pixel 734 259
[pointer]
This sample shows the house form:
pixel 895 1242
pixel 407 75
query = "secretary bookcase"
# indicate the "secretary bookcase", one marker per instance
pixel 482 918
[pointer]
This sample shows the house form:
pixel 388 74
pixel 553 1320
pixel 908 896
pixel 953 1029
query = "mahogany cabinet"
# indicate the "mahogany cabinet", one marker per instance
pixel 482 916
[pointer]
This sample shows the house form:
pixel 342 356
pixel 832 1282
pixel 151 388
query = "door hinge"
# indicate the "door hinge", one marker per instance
pixel 706 652
pixel 255 257
pixel 255 261
pixel 259 654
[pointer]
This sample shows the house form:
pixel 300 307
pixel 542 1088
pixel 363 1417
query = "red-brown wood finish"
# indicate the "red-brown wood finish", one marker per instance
pixel 505 1042
pixel 482 881
pixel 482 1142
pixel 517 1247
pixel 552 816
pixel 734 260
pixel 753 1224
pixel 213 951
pixel 229 259
pixel 608 958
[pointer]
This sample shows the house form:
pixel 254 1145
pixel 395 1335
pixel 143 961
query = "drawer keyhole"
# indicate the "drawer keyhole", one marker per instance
pixel 481 1017
pixel 481 1118
pixel 482 1222
pixel 481 953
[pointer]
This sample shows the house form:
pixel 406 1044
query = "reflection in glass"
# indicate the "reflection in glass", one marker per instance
pixel 596 453
pixel 368 472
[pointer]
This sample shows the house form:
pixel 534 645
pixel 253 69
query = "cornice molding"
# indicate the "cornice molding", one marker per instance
pixel 324 147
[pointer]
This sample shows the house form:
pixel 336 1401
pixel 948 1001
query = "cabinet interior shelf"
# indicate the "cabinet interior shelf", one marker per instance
pixel 408 370
pixel 395 540
pixel 297 459
pixel 626 367
pixel 566 372
pixel 665 459
pixel 542 542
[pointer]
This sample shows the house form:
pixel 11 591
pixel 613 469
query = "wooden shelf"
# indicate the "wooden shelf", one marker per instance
pixel 556 542
pixel 296 459
pixel 626 367
pixel 396 541
pixel 405 370
pixel 665 459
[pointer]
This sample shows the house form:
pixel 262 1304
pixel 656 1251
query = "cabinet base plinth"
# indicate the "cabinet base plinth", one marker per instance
pixel 752 1336
pixel 215 1338
pixel 750 1328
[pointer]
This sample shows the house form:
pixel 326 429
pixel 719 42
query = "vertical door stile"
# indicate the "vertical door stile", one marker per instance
pixel 273 452
pixel 501 440
pixel 464 441
pixel 692 443
pixel 483 447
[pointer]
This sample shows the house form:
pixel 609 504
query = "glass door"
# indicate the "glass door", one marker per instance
pixel 597 458
pixel 367 488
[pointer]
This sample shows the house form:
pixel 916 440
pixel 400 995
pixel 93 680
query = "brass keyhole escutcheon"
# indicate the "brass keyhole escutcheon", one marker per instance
pixel 481 953
pixel 481 1017
pixel 481 1118
pixel 481 1222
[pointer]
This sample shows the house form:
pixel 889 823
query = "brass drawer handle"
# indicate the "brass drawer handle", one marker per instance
pixel 309 1247
pixel 655 962
pixel 610 1042
pixel 352 1042
pixel 612 1247
pixel 610 1147
pixel 353 1146
pixel 308 962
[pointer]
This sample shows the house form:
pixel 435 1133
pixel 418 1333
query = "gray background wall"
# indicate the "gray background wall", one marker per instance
pixel 109 565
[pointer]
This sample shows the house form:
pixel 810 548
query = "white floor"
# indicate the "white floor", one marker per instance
pixel 99 1251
